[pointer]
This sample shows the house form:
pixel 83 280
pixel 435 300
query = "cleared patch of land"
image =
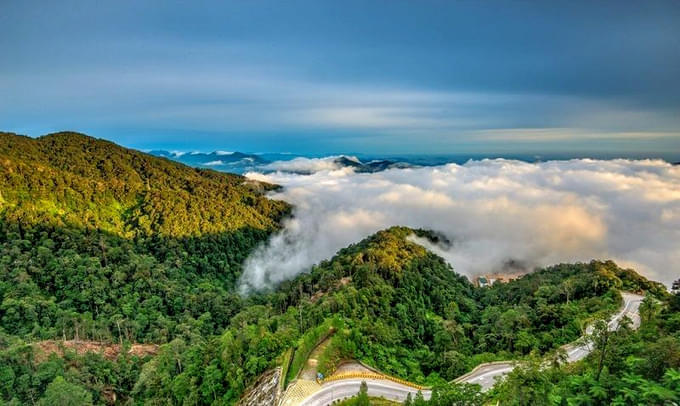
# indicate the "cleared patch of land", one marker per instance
pixel 107 350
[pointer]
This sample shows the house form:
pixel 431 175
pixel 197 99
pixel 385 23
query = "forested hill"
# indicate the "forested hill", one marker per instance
pixel 110 245
pixel 75 180
pixel 102 242
pixel 393 304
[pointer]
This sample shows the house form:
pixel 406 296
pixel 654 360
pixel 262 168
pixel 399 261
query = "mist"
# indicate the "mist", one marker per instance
pixel 494 212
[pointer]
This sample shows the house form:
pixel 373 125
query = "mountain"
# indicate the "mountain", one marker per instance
pixel 237 162
pixel 139 257
pixel 381 165
pixel 399 308
pixel 91 232
pixel 371 166
pixel 73 179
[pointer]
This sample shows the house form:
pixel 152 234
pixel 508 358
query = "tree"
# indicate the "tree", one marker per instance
pixel 600 340
pixel 362 398
pixel 60 392
pixel 454 394
pixel 527 384
pixel 648 309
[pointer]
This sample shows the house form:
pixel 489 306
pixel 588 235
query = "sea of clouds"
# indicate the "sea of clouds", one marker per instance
pixel 302 165
pixel 495 212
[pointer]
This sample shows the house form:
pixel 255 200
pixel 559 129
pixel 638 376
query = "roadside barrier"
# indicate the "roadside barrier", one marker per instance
pixel 371 375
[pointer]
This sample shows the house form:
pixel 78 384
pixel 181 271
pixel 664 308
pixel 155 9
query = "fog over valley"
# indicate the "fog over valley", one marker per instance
pixel 494 212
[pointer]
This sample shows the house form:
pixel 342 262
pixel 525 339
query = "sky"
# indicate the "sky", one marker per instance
pixel 389 77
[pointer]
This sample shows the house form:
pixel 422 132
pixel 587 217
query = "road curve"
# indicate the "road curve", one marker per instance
pixel 347 388
pixel 487 374
pixel 484 375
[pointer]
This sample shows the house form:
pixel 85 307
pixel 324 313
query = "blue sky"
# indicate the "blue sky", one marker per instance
pixel 360 76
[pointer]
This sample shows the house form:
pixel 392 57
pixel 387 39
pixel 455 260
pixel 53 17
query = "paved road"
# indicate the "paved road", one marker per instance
pixel 487 375
pixel 484 375
pixel 347 388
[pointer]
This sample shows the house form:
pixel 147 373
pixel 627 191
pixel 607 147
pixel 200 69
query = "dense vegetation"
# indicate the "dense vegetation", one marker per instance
pixel 402 309
pixel 627 367
pixel 69 179
pixel 102 243
pixel 98 242
pixel 105 243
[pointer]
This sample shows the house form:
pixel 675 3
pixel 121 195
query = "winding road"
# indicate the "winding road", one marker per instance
pixel 484 375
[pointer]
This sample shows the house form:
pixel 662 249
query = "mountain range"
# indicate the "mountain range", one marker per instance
pixel 239 162
pixel 107 249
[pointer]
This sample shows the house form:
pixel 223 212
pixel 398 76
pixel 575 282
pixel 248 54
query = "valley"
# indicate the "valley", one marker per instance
pixel 119 276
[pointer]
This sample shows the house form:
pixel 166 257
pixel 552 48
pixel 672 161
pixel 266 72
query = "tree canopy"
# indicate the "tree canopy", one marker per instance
pixel 105 244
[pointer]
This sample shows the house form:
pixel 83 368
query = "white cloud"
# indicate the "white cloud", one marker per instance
pixel 494 211
pixel 213 163
pixel 306 165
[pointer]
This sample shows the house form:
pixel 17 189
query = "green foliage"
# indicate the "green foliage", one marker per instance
pixel 339 347
pixel 287 358
pixel 27 376
pixel 105 243
pixel 98 242
pixel 362 397
pixel 60 392
pixel 626 368
pixel 309 341
pixel 550 307
pixel 69 179
pixel 456 394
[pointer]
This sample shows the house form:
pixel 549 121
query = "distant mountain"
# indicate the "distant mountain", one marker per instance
pixel 370 167
pixel 237 162
pixel 381 165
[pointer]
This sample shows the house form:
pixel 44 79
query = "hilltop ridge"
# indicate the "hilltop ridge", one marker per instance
pixel 71 178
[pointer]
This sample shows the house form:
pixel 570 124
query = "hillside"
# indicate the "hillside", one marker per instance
pixel 101 242
pixel 395 306
pixel 392 304
pixel 104 247
pixel 75 180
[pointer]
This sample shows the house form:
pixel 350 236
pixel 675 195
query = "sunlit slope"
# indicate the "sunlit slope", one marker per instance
pixel 133 246
pixel 75 180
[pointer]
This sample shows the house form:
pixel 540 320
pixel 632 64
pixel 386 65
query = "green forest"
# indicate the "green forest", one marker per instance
pixel 104 244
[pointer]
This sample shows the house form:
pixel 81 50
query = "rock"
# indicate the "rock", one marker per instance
pixel 265 390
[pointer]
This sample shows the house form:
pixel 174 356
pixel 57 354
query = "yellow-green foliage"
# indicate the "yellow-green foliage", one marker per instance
pixel 339 348
pixel 73 179
pixel 309 341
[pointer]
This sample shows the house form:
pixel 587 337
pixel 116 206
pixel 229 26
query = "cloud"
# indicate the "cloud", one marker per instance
pixel 213 163
pixel 303 165
pixel 494 211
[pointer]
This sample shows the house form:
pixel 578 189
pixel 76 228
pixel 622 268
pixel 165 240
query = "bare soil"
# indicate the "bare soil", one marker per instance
pixel 107 350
